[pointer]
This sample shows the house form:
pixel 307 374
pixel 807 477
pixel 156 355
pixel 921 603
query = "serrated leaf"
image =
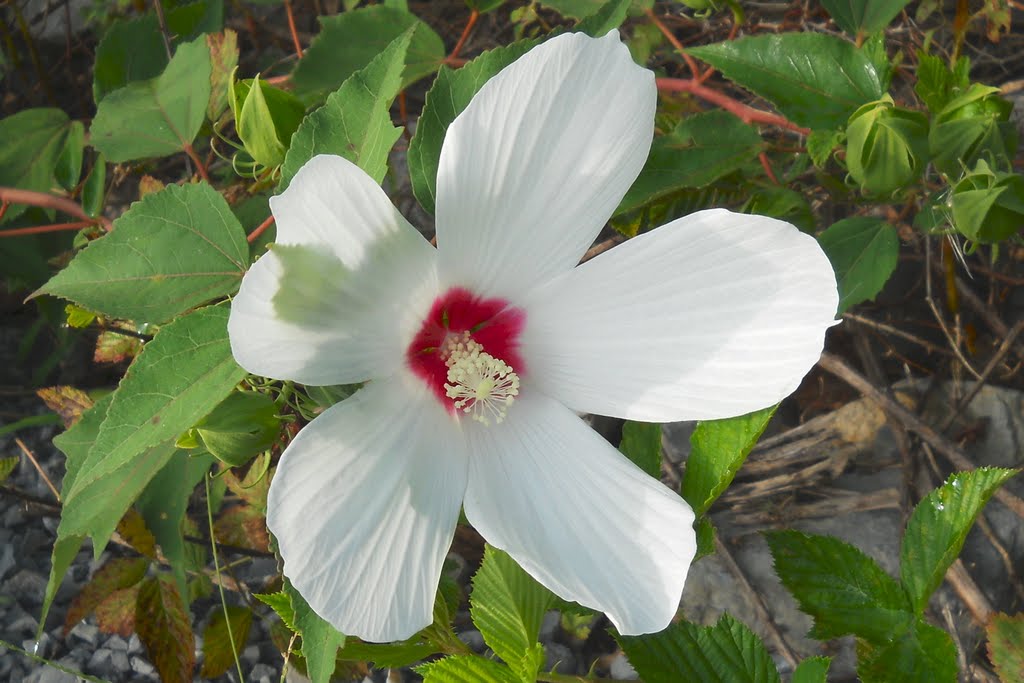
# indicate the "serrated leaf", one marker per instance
pixel 180 376
pixel 718 450
pixel 116 612
pixel 699 150
pixel 937 84
pixel 1006 646
pixel 171 251
pixel 507 605
pixel 705 531
pixel 282 606
pixel 165 628
pixel 923 654
pixel 447 98
pixel 223 638
pixel 821 143
pixel 157 117
pixel 466 669
pixel 134 531
pixel 724 653
pixel 133 50
pixel 243 526
pixel 812 670
pixel 114 347
pixel 390 655
pixel 163 504
pixel 320 640
pixel 355 122
pixel 863 16
pixel 76 442
pixel 68 402
pixel 608 16
pixel 69 163
pixel 863 252
pixel 33 141
pixel 938 527
pixel 816 80
pixel 117 574
pixel 349 41
pixel 841 587
pixel 641 443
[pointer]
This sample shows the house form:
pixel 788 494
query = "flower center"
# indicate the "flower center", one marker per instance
pixel 479 384
pixel 467 351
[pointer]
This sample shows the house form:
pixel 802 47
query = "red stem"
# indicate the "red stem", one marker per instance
pixel 255 234
pixel 470 23
pixel 675 41
pixel 56 227
pixel 13 195
pixel 768 168
pixel 198 162
pixel 744 112
pixel 291 27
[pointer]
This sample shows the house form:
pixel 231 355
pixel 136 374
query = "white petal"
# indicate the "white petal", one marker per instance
pixel 340 295
pixel 578 516
pixel 364 505
pixel 533 168
pixel 713 315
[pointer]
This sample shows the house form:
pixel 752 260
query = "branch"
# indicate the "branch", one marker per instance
pixel 50 201
pixel 745 113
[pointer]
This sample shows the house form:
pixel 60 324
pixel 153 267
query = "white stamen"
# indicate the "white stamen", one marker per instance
pixel 480 384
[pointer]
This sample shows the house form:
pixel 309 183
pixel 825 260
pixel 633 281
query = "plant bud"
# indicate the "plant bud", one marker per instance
pixel 887 147
pixel 974 126
pixel 265 118
pixel 988 206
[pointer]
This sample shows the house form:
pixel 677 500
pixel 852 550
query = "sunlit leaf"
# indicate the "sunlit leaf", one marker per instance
pixel 320 640
pixel 863 16
pixel 466 669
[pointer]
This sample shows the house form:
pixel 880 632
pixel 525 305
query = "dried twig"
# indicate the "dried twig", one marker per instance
pixel 35 463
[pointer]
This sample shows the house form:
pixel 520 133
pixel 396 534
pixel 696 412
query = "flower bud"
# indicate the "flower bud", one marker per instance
pixel 265 118
pixel 887 147
pixel 973 126
pixel 988 206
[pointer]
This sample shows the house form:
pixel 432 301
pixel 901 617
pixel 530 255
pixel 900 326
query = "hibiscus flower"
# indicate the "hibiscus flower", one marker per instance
pixel 477 356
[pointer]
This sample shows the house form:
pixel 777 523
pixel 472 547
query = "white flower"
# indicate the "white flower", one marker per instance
pixel 713 315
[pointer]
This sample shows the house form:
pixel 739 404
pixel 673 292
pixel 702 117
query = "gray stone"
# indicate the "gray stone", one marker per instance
pixel 48 675
pixel 119 661
pixel 621 669
pixel 474 639
pixel 99 662
pixel 86 632
pixel 559 658
pixel 251 654
pixel 6 559
pixel 263 673
pixel 27 586
pixel 116 643
pixel 142 667
pixel 24 624
pixel 134 645
pixel 549 626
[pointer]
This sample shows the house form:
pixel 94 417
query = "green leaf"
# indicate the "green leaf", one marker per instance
pixel 134 50
pixel 265 119
pixel 69 164
pixel 7 466
pixel 171 251
pixel 841 587
pixel 237 430
pixel 180 376
pixel 923 654
pixel 886 147
pixel 94 191
pixel 466 669
pixel 724 653
pixel 320 640
pixel 1006 646
pixel 863 252
pixel 938 527
pixel 447 98
pixel 223 60
pixel 33 142
pixel 165 628
pixel 349 41
pixel 507 605
pixel 163 504
pixel 937 84
pixel 386 655
pixel 641 443
pixel 587 9
pixel 816 80
pixel 355 122
pixel 699 151
pixel 282 606
pixel 821 143
pixel 812 670
pixel 607 17
pixel 863 16
pixel 65 549
pixel 484 6
pixel 160 116
pixel 223 638
pixel 719 448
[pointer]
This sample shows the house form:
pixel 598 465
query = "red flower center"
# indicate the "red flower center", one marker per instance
pixel 460 316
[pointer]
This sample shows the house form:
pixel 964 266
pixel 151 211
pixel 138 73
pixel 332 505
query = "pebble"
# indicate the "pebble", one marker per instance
pixel 559 658
pixel 621 669
pixel 99 661
pixel 6 560
pixel 28 586
pixel 143 667
pixel 116 642
pixel 550 625
pixel 134 645
pixel 86 632
pixel 119 661
pixel 263 673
